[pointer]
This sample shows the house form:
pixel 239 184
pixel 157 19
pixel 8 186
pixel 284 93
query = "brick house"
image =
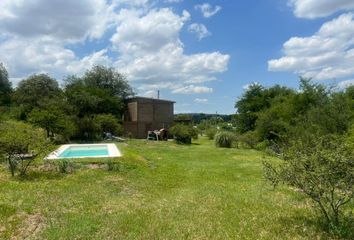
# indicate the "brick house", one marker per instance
pixel 147 114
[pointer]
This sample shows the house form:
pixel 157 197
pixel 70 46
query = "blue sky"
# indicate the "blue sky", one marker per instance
pixel 202 54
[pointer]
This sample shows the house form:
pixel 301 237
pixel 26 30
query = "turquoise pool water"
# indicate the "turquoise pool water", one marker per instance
pixel 88 151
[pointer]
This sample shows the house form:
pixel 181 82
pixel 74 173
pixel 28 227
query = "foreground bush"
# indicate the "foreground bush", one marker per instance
pixel 183 134
pixel 20 144
pixel 322 169
pixel 224 139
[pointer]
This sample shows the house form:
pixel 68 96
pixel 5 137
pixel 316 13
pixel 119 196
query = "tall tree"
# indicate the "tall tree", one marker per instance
pixel 36 88
pixel 5 86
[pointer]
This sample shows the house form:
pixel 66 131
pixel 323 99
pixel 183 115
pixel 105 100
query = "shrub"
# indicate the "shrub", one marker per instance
pixel 65 166
pixel 249 138
pixel 183 134
pixel 262 145
pixel 224 139
pixel 113 166
pixel 20 144
pixel 321 168
pixel 210 132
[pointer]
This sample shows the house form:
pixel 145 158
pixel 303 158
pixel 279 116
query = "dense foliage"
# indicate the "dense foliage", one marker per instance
pixel 5 86
pixel 322 168
pixel 279 114
pixel 20 143
pixel 83 109
pixel 183 133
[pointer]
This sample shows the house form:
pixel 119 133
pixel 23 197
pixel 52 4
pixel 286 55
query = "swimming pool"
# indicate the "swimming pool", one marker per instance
pixel 85 151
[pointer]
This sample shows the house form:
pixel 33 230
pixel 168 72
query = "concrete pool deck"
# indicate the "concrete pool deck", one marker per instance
pixel 113 151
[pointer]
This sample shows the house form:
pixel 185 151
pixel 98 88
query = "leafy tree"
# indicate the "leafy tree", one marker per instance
pixel 88 128
pixel 35 88
pixel 322 168
pixel 253 101
pixel 108 123
pixel 109 79
pixel 5 86
pixel 100 91
pixel 20 143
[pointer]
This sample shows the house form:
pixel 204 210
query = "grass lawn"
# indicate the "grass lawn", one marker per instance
pixel 161 191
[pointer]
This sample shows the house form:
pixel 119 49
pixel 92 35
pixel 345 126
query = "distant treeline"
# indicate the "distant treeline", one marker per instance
pixel 197 118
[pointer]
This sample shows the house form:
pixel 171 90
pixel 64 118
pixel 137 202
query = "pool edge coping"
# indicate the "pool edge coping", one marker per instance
pixel 113 151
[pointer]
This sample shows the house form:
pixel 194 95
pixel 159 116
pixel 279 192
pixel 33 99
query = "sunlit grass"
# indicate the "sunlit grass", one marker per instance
pixel 161 191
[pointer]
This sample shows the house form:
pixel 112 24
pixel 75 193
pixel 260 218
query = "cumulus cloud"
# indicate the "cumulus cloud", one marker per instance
pixel 199 29
pixel 327 54
pixel 319 8
pixel 152 52
pixel 42 36
pixel 59 20
pixel 207 10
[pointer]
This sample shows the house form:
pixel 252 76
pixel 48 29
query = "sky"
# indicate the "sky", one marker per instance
pixel 202 53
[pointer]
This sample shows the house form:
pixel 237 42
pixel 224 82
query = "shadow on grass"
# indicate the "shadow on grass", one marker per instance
pixel 41 175
pixel 344 231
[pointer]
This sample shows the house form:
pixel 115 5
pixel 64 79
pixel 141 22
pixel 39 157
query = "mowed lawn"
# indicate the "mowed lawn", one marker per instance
pixel 161 191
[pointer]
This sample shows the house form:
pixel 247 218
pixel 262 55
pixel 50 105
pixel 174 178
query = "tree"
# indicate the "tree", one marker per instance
pixel 99 95
pixel 51 116
pixel 20 144
pixel 253 101
pixel 108 79
pixel 34 90
pixel 322 168
pixel 100 91
pixel 5 86
pixel 108 123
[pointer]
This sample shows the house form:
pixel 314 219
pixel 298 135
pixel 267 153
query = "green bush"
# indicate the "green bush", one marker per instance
pixel 224 139
pixel 322 169
pixel 65 166
pixel 210 132
pixel 109 123
pixel 20 144
pixel 183 134
pixel 249 138
pixel 262 145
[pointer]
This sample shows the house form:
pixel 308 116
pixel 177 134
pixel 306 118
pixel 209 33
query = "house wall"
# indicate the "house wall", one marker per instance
pixel 145 115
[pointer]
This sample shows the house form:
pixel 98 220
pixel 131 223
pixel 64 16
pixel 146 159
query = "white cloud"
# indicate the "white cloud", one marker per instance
pixel 192 89
pixel 151 51
pixel 173 1
pixel 319 8
pixel 345 84
pixel 57 20
pixel 41 36
pixel 327 54
pixel 207 10
pixel 201 100
pixel 199 29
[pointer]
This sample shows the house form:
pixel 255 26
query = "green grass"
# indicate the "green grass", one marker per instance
pixel 161 191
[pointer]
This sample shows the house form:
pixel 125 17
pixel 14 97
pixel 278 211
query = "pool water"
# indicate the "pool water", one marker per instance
pixel 84 151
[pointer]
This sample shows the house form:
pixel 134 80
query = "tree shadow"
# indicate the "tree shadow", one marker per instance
pixel 343 231
pixel 41 175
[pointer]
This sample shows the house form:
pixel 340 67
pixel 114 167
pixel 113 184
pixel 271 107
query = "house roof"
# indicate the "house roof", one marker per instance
pixel 137 98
